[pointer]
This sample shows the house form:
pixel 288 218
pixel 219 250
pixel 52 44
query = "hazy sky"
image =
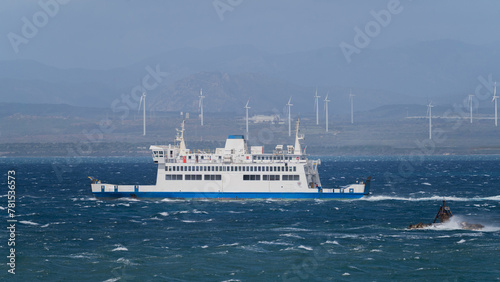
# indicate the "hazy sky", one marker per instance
pixel 105 34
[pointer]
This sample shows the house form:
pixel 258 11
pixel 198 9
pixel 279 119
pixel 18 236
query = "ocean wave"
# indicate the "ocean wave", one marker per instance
pixel 291 235
pixel 432 198
pixel 27 222
pixel 274 243
pixel 119 248
pixel 229 245
pixel 332 242
pixel 305 248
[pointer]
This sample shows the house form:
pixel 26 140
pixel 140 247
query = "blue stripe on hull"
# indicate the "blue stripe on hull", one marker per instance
pixel 228 195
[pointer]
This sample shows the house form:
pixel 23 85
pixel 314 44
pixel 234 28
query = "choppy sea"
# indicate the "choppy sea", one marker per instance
pixel 64 234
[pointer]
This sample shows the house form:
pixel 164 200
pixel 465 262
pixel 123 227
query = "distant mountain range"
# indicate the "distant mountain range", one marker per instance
pixel 442 71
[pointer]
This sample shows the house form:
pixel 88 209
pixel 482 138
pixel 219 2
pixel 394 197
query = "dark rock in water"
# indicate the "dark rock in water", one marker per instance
pixel 418 225
pixel 444 215
pixel 471 226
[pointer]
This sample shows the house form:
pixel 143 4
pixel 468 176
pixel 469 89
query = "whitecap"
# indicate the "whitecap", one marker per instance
pixel 121 248
pixel 164 213
pixel 346 274
pixel 229 245
pixel 332 242
pixel 305 248
pixel 291 235
pixel 274 243
pixel 27 222
pixel 432 198
pixel 461 241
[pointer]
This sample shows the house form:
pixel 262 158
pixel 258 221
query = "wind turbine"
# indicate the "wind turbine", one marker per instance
pixel 429 113
pixel 495 98
pixel 316 104
pixel 470 105
pixel 289 117
pixel 351 99
pixel 200 106
pixel 326 110
pixel 246 110
pixel 143 102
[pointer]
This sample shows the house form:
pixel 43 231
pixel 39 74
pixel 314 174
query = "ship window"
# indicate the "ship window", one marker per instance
pixel 179 176
pixel 251 168
pixel 168 176
pixel 296 177
pixel 218 177
pixel 259 168
pixel 173 168
pixel 265 177
pixel 257 177
pixel 246 177
pixel 207 177
pixel 252 177
pixel 285 177
pixel 185 168
pixel 188 176
pixel 204 168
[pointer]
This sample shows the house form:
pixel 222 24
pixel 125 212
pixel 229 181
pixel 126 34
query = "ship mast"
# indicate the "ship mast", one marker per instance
pixel 297 148
pixel 180 139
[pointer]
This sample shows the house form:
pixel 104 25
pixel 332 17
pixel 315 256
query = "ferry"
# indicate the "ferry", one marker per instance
pixel 233 172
